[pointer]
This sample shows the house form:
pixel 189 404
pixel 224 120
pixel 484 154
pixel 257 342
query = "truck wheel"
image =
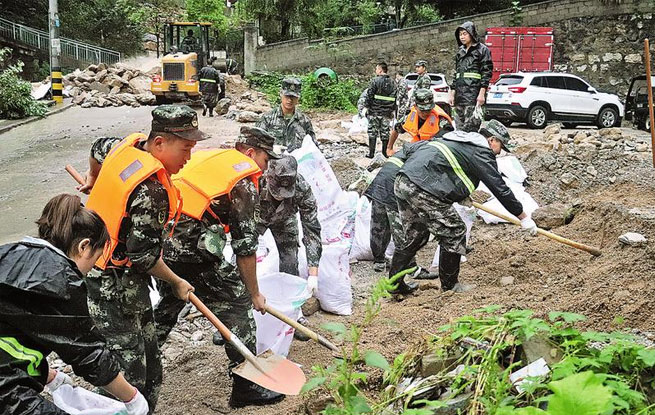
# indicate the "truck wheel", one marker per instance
pixel 537 117
pixel 607 117
pixel 647 124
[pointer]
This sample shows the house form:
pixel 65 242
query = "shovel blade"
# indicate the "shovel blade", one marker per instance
pixel 279 374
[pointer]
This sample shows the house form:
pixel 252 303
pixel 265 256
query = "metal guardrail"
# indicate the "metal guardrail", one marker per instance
pixel 71 48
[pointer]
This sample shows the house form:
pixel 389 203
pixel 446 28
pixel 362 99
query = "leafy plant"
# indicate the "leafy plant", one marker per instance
pixel 516 13
pixel 15 94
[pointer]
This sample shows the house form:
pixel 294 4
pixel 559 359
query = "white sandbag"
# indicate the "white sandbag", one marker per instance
pixel 529 204
pixel 268 260
pixel 79 401
pixel 391 248
pixel 359 125
pixel 511 168
pixel 286 293
pixel 361 247
pixel 334 290
pixel 468 216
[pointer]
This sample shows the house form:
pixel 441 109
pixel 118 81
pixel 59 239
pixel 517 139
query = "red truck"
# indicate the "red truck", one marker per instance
pixel 514 49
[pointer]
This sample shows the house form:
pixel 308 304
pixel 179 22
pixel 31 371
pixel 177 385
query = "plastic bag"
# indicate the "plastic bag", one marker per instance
pixel 361 247
pixel 79 401
pixel 359 125
pixel 268 259
pixel 511 168
pixel 529 204
pixel 334 288
pixel 286 293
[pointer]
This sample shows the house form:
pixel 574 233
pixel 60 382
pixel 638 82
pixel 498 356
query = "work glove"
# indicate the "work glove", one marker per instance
pixel 59 379
pixel 529 226
pixel 312 284
pixel 137 405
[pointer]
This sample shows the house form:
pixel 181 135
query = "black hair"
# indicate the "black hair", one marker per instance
pixel 383 66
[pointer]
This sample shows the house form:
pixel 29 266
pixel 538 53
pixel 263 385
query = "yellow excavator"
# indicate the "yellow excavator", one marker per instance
pixel 187 51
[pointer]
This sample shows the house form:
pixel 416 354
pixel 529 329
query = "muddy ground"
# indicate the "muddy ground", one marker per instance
pixel 618 197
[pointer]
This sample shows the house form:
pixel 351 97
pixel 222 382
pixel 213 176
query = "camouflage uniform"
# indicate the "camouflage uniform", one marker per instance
pixel 385 224
pixel 118 298
pixel 361 101
pixel 210 87
pixel 280 215
pixel 422 82
pixel 288 131
pixel 217 281
pixel 466 118
pixel 381 104
pixel 402 98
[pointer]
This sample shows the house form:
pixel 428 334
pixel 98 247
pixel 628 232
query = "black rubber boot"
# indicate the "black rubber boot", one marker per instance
pixel 449 272
pixel 211 112
pixel 218 339
pixel 204 110
pixel 371 147
pixel 424 274
pixel 245 393
pixel 385 143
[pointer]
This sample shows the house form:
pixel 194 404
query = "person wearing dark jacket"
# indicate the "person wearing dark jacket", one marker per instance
pixel 381 104
pixel 43 309
pixel 210 87
pixel 473 70
pixel 434 175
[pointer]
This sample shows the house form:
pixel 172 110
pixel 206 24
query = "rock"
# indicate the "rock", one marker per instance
pixel 613 133
pixel 102 102
pixel 346 170
pixel 97 86
pixel 593 59
pixel 146 98
pixel 86 105
pixel 641 147
pixel 552 129
pixel 551 216
pixel 433 364
pixel 537 347
pixel 247 116
pixel 140 84
pixel 127 76
pixel 223 106
pixel 172 353
pixel 115 90
pixel 246 96
pixel 79 99
pixel 455 405
pixel 127 99
pixel 256 107
pixel 101 75
pixel 85 77
pixel 633 58
pixel 197 335
pixel 608 144
pixel 591 170
pixel 578 57
pixel 92 68
pixel 612 57
pixel 580 137
pixel 113 80
pixel 102 67
pixel 506 281
pixel 582 68
pixel 330 136
pixel 633 239
pixel 311 306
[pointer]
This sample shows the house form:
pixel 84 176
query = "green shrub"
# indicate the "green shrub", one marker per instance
pixel 15 94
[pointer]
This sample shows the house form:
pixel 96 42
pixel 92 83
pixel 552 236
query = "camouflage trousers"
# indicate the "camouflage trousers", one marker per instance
pixel 219 286
pixel 210 100
pixel 423 214
pixel 385 225
pixel 378 127
pixel 286 239
pixel 466 119
pixel 119 303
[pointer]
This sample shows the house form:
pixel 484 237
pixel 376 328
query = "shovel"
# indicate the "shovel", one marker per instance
pixel 309 333
pixel 592 250
pixel 268 370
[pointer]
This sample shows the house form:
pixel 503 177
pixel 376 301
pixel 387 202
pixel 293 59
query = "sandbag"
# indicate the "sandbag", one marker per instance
pixel 510 167
pixel 529 204
pixel 361 247
pixel 79 401
pixel 268 259
pixel 286 293
pixel 334 285
pixel 359 125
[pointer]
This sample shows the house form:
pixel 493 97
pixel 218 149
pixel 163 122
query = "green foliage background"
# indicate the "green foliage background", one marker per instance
pixel 15 98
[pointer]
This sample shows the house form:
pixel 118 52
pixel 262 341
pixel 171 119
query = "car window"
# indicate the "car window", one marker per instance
pixel 436 79
pixel 556 82
pixel 509 80
pixel 575 84
pixel 537 81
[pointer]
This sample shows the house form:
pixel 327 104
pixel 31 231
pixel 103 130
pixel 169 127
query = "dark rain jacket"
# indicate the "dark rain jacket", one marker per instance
pixel 43 309
pixel 451 168
pixel 210 80
pixel 381 96
pixel 473 68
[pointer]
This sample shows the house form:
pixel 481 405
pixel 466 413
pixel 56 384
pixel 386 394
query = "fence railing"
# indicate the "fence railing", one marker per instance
pixel 70 48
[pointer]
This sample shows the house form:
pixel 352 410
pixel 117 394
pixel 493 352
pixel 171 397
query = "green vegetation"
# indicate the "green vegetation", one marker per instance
pixel 15 98
pixel 591 373
pixel 316 93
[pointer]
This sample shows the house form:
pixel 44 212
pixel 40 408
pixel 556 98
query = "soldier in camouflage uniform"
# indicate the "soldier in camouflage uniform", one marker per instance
pixel 227 290
pixel 118 297
pixel 437 173
pixel 286 122
pixel 423 80
pixel 381 103
pixel 210 87
pixel 402 96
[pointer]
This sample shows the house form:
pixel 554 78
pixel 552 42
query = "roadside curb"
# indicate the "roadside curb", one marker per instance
pixel 28 120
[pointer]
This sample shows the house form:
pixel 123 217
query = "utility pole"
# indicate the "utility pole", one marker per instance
pixel 55 52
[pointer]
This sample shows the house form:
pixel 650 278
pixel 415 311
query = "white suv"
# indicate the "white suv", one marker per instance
pixel 439 87
pixel 538 97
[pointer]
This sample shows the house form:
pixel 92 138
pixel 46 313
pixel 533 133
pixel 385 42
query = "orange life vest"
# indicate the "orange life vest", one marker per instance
pixel 123 169
pixel 429 128
pixel 210 174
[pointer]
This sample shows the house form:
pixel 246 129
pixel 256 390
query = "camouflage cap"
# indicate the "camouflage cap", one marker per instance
pixel 291 87
pixel 424 99
pixel 281 177
pixel 493 128
pixel 178 120
pixel 421 62
pixel 258 138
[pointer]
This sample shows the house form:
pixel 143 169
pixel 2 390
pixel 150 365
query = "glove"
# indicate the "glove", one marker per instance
pixel 137 405
pixel 59 379
pixel 312 284
pixel 529 226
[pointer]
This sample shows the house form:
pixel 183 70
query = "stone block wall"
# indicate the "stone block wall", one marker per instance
pixel 600 40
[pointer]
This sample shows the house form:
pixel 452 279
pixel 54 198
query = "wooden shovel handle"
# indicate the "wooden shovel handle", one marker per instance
pixel 592 250
pixel 225 332
pixel 75 174
pixel 309 333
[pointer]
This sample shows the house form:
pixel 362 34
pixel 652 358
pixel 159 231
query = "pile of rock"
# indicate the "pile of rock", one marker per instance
pixel 104 86
pixel 249 107
pixel 605 138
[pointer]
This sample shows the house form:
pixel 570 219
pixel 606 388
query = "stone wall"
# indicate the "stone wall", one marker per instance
pixel 600 40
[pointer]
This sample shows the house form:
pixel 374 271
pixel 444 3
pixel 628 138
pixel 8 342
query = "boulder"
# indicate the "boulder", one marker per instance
pixel 223 106
pixel 330 136
pixel 79 99
pixel 127 99
pixel 257 107
pixel 102 66
pixel 311 306
pixel 247 116
pixel 580 137
pixel 113 80
pixel 97 86
pixel 101 75
pixel 551 216
pixel 85 77
pixel 140 84
pixel 115 90
pixel 641 147
pixel 127 76
pixel 92 68
pixel 551 130
pixel 146 99
pixel 613 133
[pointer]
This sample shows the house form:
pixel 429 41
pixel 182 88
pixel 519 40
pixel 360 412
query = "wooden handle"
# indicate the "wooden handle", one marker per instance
pixel 592 250
pixel 75 174
pixel 225 332
pixel 311 334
